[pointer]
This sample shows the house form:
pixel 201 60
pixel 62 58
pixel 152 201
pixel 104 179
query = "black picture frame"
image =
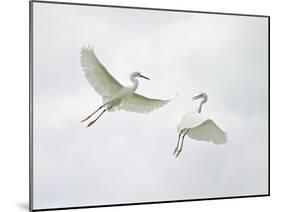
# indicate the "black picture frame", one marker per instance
pixel 139 8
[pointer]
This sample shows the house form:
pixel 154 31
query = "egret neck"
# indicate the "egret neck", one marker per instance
pixel 135 83
pixel 203 101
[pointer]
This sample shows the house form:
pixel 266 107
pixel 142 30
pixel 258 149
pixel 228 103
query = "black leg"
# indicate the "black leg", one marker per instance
pixel 178 142
pixel 93 113
pixel 182 140
pixel 96 118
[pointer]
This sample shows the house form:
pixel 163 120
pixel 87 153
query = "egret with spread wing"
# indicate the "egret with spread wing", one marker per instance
pixel 115 96
pixel 199 127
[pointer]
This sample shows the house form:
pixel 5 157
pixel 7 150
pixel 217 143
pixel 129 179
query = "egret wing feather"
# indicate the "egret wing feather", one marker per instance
pixel 190 120
pixel 208 131
pixel 141 104
pixel 97 75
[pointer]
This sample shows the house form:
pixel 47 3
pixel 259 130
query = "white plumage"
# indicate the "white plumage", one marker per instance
pixel 115 96
pixel 190 120
pixel 97 75
pixel 141 104
pixel 199 127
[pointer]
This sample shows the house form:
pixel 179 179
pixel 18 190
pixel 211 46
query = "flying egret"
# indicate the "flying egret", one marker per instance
pixel 114 95
pixel 199 127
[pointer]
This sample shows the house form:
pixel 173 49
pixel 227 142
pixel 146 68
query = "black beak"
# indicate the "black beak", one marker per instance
pixel 196 97
pixel 144 77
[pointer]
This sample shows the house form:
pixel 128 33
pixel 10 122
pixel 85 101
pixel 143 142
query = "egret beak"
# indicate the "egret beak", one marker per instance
pixel 196 97
pixel 144 77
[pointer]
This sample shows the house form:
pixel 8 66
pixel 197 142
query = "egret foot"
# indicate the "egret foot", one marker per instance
pixel 92 122
pixel 177 153
pixel 85 119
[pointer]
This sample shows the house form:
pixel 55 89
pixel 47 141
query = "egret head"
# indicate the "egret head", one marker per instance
pixel 202 96
pixel 138 74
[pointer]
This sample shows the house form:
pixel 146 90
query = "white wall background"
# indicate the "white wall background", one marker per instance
pixel 14 104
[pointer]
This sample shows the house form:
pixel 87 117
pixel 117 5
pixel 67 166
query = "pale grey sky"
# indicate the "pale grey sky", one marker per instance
pixel 127 157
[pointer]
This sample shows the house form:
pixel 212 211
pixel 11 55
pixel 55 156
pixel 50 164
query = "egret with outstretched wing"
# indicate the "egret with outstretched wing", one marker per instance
pixel 115 96
pixel 199 127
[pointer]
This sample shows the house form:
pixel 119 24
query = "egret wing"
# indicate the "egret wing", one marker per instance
pixel 191 119
pixel 97 75
pixel 141 104
pixel 208 131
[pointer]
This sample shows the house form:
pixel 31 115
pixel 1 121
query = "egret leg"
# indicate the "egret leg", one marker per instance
pixel 178 142
pixel 93 113
pixel 96 118
pixel 179 151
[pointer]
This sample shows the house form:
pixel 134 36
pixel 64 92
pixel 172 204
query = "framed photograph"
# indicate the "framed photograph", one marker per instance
pixel 132 105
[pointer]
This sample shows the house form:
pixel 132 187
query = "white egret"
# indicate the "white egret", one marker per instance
pixel 199 127
pixel 114 95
